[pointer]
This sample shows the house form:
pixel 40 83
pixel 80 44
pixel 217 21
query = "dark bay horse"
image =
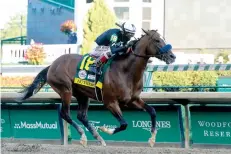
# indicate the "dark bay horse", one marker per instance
pixel 123 84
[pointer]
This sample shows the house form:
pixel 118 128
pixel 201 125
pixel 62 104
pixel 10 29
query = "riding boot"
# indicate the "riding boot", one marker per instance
pixel 102 59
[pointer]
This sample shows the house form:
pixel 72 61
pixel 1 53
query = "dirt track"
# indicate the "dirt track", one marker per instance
pixel 19 148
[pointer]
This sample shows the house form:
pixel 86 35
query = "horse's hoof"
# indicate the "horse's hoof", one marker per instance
pixel 103 144
pixel 151 141
pixel 106 130
pixel 83 140
pixel 83 143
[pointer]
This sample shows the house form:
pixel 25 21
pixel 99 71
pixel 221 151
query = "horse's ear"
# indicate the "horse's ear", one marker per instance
pixel 144 31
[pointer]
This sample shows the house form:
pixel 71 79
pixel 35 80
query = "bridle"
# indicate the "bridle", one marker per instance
pixel 161 55
pixel 146 56
pixel 137 40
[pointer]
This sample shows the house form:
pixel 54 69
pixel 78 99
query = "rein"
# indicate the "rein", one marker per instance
pixel 161 52
pixel 142 56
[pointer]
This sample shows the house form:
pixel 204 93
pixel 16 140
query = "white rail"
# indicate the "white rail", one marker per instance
pixel 15 53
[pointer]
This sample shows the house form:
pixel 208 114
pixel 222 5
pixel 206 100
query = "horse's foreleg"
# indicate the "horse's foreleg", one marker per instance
pixel 116 112
pixel 142 105
pixel 82 116
pixel 65 112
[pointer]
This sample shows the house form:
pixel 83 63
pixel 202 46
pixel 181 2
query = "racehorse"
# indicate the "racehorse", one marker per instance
pixel 122 84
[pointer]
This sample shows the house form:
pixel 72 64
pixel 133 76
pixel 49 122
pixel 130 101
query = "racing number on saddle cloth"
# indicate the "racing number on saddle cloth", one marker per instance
pixel 88 63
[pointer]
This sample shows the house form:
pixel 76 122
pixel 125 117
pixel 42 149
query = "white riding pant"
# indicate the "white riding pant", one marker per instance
pixel 98 53
pixel 92 51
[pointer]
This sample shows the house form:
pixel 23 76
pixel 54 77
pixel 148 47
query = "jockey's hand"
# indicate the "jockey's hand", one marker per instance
pixel 129 44
pixel 128 50
pixel 119 44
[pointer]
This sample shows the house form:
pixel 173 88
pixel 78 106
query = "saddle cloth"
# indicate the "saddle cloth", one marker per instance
pixel 85 76
pixel 99 50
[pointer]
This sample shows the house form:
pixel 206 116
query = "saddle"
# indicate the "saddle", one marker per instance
pixel 96 53
pixel 99 50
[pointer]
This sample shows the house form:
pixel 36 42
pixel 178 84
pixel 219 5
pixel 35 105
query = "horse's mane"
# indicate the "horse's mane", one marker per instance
pixel 124 56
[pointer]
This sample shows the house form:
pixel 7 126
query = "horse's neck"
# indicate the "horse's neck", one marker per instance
pixel 131 66
pixel 136 66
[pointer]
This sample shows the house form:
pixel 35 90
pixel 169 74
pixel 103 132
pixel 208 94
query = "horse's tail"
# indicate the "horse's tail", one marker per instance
pixel 35 86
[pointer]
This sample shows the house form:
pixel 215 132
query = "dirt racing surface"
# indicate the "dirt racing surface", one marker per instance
pixel 20 148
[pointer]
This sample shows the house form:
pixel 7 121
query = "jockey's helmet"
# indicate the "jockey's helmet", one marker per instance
pixel 129 29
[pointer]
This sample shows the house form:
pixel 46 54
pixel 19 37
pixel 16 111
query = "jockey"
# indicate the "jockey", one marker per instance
pixel 117 40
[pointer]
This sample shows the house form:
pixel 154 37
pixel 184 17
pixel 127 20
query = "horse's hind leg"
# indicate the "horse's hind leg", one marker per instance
pixel 142 105
pixel 83 102
pixel 65 114
pixel 117 113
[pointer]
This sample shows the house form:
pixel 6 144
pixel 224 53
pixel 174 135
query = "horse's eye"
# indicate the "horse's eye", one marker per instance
pixel 158 41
